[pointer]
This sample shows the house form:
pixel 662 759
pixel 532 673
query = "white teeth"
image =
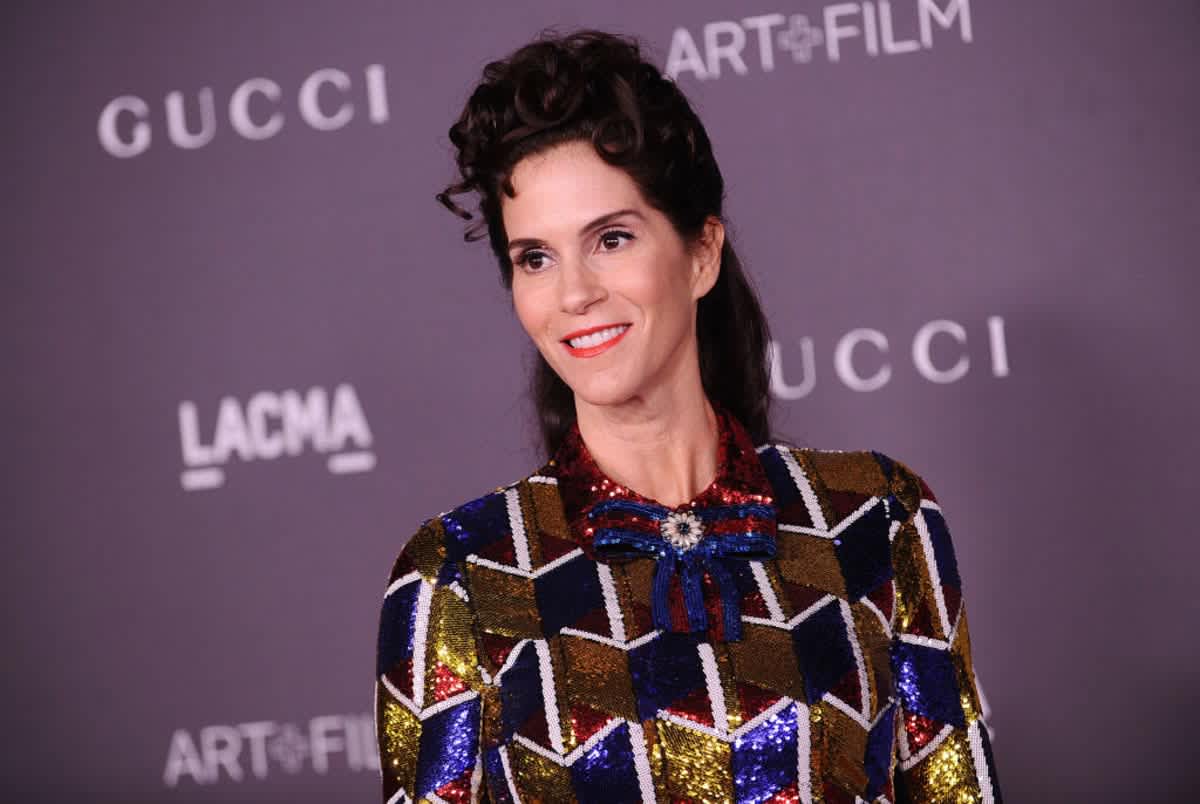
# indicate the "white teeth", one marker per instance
pixel 597 338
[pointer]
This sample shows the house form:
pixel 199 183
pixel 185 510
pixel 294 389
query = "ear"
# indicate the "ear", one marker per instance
pixel 706 257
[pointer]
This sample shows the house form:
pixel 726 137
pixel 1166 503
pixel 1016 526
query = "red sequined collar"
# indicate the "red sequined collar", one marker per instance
pixel 740 481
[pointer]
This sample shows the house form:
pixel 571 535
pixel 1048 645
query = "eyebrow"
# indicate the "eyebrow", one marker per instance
pixel 525 242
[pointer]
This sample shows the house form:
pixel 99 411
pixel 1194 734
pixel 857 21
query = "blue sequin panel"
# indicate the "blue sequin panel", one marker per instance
pixel 823 650
pixel 449 742
pixel 765 758
pixel 926 682
pixel 474 525
pixel 864 552
pixel 605 773
pixel 943 550
pixel 397 621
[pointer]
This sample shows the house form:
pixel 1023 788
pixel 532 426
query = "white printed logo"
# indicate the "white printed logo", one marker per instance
pixel 275 425
pixel 255 111
pixel 876 27
pixel 799 383
pixel 236 752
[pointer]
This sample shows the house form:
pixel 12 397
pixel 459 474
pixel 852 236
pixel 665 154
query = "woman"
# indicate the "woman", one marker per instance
pixel 663 611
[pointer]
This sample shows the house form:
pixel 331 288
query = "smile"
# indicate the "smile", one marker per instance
pixel 591 342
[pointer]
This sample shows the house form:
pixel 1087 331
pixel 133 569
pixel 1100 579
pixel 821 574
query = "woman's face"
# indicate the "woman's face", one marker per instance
pixel 602 283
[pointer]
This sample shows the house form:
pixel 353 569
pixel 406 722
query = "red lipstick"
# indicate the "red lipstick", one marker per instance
pixel 592 351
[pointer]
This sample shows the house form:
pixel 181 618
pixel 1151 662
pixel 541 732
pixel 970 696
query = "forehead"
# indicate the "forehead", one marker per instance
pixel 562 188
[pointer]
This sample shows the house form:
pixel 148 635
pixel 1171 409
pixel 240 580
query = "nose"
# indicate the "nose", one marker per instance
pixel 579 287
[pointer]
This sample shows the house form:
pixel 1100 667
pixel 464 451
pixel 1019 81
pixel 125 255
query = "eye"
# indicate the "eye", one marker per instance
pixel 532 260
pixel 611 240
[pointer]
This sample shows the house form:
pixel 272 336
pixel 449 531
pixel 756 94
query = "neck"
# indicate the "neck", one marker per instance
pixel 663 448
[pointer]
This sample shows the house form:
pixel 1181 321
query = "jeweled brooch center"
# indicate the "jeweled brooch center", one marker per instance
pixel 682 529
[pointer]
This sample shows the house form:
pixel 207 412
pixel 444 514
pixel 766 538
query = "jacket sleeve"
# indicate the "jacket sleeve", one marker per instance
pixel 428 686
pixel 945 754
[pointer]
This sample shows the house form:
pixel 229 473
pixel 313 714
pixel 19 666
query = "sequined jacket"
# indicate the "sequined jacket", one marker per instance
pixel 795 633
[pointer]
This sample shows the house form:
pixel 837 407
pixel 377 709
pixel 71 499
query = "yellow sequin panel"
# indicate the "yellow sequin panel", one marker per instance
pixel 598 677
pixel 547 510
pixel 733 708
pixel 538 778
pixel 845 744
pixel 450 641
pixel 399 739
pixel 654 750
pixel 492 725
pixel 764 657
pixel 426 549
pixel 808 561
pixel 850 471
pixel 698 764
pixel 946 776
pixel 960 651
pixel 876 655
pixel 906 486
pixel 504 604
pixel 915 599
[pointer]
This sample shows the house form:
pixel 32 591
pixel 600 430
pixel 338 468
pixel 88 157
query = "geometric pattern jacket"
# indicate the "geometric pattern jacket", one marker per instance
pixel 795 633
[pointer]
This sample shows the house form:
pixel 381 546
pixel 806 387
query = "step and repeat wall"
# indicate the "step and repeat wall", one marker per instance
pixel 247 353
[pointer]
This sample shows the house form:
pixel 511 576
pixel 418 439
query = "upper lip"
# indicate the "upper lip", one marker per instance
pixel 579 333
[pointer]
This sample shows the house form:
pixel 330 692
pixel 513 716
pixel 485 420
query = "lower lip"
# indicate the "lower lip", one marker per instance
pixel 592 351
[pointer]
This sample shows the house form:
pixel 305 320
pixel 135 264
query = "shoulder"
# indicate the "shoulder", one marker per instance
pixel 858 473
pixel 445 539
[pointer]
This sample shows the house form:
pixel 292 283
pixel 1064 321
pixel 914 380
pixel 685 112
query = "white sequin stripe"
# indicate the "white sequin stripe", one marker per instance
pixel 523 573
pixel 570 759
pixel 694 725
pixel 767 591
pixel 975 740
pixel 420 634
pixel 806 491
pixel 870 605
pixel 804 615
pixel 762 717
pixel 402 582
pixel 803 754
pixel 477 777
pixel 864 697
pixel 712 679
pixel 854 516
pixel 934 577
pixel 807 531
pixel 508 774
pixel 609 589
pixel 641 762
pixel 925 642
pixel 516 521
pixel 398 695
pixel 549 481
pixel 929 748
pixel 603 640
pixel 511 659
pixel 399 797
pixel 549 696
pixel 846 709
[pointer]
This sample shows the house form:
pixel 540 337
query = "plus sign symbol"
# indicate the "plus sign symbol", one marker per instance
pixel 800 38
pixel 290 748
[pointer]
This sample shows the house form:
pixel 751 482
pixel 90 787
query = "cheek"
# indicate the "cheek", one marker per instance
pixel 661 291
pixel 530 308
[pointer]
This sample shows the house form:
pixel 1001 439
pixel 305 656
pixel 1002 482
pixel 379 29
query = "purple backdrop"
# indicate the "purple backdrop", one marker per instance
pixel 247 353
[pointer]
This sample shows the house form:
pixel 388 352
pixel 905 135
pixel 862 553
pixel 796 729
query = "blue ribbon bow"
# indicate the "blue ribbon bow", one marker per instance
pixel 711 554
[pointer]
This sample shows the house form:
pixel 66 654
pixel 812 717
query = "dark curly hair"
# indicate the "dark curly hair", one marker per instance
pixel 595 86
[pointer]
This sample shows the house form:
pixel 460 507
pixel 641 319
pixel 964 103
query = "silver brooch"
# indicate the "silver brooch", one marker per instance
pixel 682 529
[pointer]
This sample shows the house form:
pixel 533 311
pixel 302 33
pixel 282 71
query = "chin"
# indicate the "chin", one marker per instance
pixel 603 391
